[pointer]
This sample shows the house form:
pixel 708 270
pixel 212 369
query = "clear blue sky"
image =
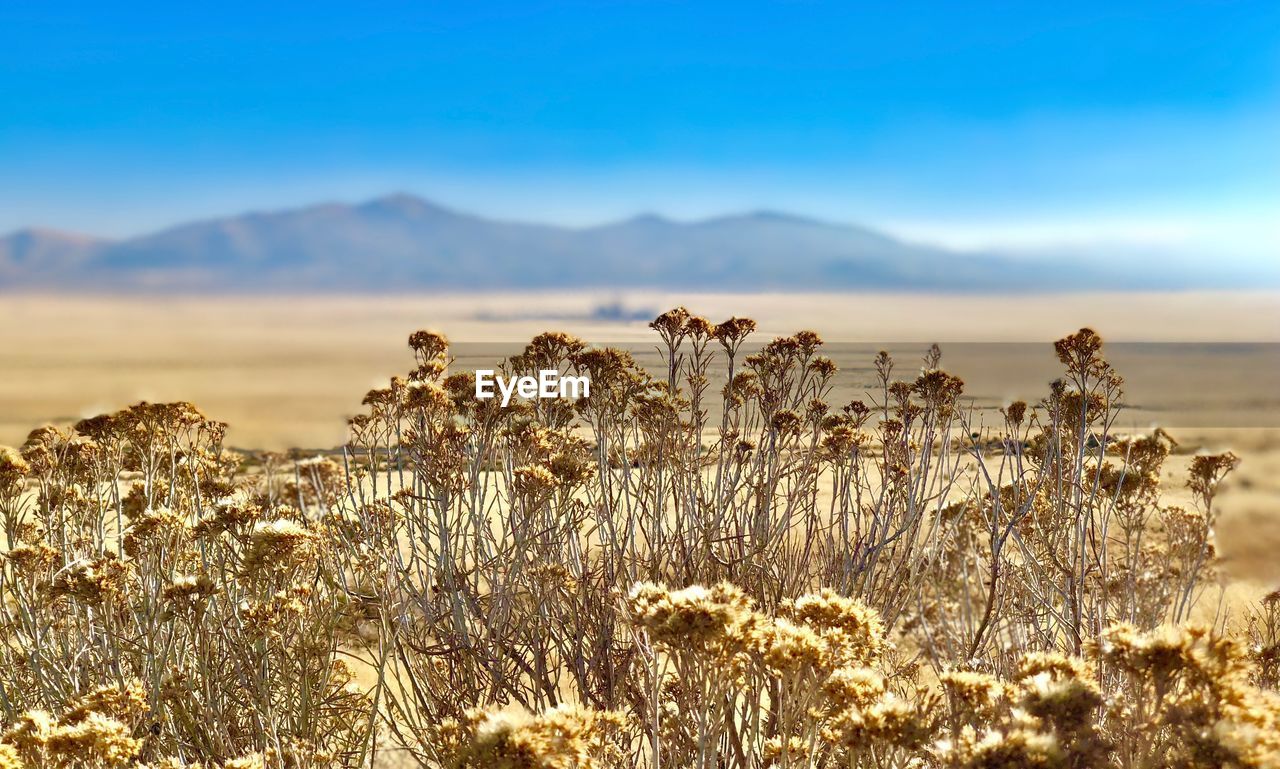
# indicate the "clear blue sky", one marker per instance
pixel 964 122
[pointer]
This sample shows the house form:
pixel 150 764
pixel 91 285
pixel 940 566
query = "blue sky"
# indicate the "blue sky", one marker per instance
pixel 972 124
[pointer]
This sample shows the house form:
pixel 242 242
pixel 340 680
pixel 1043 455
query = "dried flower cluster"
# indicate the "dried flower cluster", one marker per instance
pixel 164 605
pixel 709 565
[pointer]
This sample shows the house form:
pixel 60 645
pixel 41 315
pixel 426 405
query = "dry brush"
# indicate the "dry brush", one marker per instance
pixel 708 565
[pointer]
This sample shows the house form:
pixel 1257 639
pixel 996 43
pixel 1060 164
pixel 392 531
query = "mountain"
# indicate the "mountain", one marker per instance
pixel 400 242
pixel 36 253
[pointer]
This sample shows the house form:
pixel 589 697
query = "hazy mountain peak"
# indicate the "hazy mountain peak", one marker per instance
pixel 648 219
pixel 404 204
pixel 778 217
pixel 402 242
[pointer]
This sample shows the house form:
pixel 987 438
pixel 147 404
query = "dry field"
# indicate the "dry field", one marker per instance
pixel 285 372
pixel 741 551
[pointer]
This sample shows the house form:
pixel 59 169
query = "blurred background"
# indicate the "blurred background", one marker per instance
pixel 250 206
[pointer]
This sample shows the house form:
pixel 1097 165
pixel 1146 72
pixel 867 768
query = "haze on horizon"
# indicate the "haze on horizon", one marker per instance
pixel 983 125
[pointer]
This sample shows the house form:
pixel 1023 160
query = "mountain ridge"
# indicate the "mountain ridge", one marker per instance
pixel 401 242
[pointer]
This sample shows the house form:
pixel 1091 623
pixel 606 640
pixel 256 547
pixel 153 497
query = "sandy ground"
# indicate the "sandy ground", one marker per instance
pixel 286 371
pixel 1248 529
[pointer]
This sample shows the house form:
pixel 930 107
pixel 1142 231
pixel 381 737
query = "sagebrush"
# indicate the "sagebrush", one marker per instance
pixel 705 566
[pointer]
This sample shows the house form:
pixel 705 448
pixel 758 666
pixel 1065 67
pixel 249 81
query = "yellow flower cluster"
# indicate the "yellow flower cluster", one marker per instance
pixel 565 737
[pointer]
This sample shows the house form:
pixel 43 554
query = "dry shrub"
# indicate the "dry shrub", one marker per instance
pixel 710 565
pixel 159 608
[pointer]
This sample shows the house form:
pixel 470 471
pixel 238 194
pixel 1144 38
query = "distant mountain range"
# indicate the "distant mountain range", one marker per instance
pixel 400 243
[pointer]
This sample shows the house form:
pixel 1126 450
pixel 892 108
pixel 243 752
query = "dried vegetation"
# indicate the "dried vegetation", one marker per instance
pixel 707 566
